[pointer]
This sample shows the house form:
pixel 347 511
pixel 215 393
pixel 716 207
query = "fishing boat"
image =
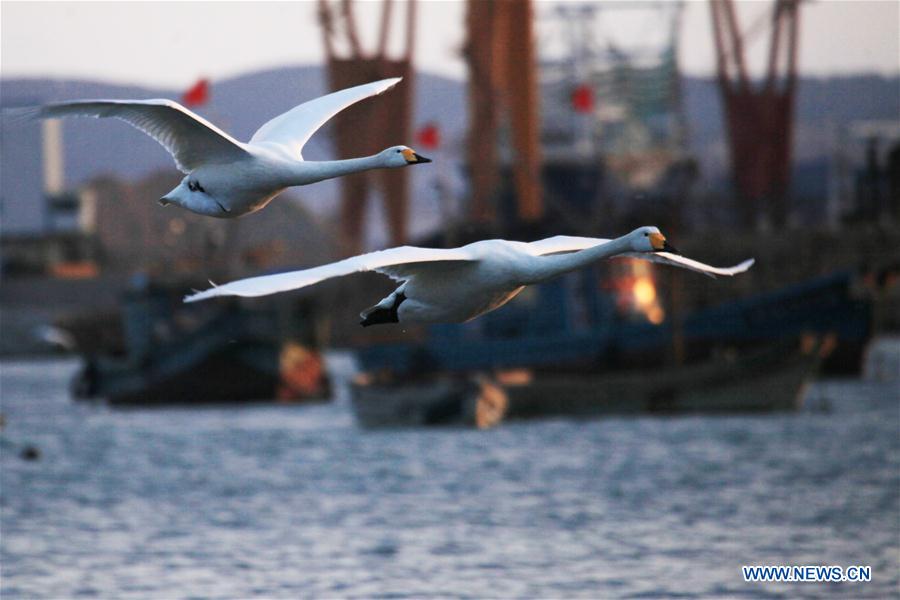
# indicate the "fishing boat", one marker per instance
pixel 442 401
pixel 174 356
pixel 573 355
pixel 765 380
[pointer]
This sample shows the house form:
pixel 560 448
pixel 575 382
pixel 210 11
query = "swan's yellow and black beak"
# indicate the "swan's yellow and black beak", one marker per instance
pixel 659 244
pixel 412 158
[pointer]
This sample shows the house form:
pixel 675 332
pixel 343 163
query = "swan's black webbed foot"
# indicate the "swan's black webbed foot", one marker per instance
pixel 379 316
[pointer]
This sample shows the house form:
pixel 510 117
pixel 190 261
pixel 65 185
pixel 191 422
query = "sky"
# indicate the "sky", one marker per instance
pixel 171 44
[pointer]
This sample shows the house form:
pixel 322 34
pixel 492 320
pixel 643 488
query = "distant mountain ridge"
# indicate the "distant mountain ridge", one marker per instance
pixel 241 104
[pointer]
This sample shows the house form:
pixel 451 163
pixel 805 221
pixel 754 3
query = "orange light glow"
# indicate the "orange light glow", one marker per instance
pixel 644 291
pixel 645 299
pixel 635 293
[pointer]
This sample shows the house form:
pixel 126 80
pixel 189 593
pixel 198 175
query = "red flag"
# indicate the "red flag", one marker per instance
pixel 198 94
pixel 583 99
pixel 428 136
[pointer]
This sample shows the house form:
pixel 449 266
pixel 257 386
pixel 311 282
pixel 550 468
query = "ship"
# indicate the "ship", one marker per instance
pixel 564 350
pixel 173 355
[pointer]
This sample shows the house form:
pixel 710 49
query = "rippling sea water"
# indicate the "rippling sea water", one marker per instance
pixel 285 502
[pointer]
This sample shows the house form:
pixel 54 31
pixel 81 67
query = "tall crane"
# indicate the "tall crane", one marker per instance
pixel 386 118
pixel 759 118
pixel 502 83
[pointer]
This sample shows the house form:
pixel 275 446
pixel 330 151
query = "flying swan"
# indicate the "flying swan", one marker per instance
pixel 458 284
pixel 225 177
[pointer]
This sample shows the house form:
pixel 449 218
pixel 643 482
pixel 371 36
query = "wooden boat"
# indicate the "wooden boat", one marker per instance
pixel 770 379
pixel 580 363
pixel 765 380
pixel 563 325
pixel 222 373
pixel 443 401
pixel 176 358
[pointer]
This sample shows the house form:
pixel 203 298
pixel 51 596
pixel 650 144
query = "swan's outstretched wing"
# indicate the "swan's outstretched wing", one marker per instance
pixel 292 129
pixel 190 139
pixel 676 260
pixel 375 261
pixel 565 243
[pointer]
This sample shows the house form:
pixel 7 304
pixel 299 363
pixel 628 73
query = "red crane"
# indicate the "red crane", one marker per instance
pixel 759 118
pixel 370 126
pixel 500 54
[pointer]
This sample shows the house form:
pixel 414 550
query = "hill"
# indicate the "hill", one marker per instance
pixel 241 104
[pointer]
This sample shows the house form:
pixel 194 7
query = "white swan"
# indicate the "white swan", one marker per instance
pixel 227 178
pixel 458 284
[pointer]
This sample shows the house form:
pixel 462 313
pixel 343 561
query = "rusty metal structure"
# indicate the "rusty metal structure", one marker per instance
pixel 759 118
pixel 370 126
pixel 502 91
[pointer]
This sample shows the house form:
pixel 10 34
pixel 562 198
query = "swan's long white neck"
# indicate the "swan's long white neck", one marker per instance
pixel 313 171
pixel 548 267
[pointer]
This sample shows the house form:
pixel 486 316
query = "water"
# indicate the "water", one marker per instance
pixel 286 502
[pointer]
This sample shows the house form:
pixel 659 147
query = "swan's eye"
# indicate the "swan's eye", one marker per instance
pixel 646 234
pixel 399 151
